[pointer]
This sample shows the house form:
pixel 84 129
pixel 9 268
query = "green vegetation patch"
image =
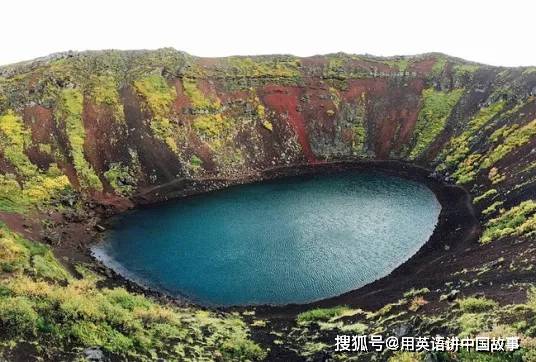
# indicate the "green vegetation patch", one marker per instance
pixel 216 128
pixel 69 109
pixel 485 195
pixel 211 126
pixel 439 66
pixel 435 110
pixel 471 323
pixel 476 305
pixel 259 68
pixel 457 153
pixel 342 66
pixel 198 99
pixel 464 72
pixel 103 90
pixel 416 292
pixel 122 178
pixel 322 314
pixel 401 64
pixel 515 139
pixel 360 136
pixel 517 221
pixel 14 139
pixel 159 96
pixel 195 163
pixel 37 186
pixel 19 254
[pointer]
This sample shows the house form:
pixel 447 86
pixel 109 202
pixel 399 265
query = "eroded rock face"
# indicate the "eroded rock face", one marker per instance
pixel 115 125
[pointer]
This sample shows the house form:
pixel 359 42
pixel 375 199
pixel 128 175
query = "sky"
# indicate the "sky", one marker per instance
pixel 491 32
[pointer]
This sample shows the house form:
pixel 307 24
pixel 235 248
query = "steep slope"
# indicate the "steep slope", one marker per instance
pixel 107 130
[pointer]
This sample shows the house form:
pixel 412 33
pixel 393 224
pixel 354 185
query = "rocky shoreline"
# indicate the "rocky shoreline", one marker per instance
pixel 457 226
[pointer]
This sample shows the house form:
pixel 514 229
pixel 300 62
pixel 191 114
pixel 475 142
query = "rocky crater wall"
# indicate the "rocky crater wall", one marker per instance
pixel 114 126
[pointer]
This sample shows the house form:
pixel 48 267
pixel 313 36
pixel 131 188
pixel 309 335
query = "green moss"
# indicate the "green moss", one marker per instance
pixel 13 255
pixel 335 97
pixel 492 208
pixel 467 169
pixel 164 130
pixel 519 137
pixel 261 68
pixel 360 137
pixel 401 64
pixel 11 197
pixel 354 328
pixel 210 126
pixel 103 90
pixel 311 348
pixel 485 195
pixel 471 323
pixel 335 68
pixel 405 357
pixel 217 129
pixel 484 116
pixel 17 316
pixel 339 67
pixel 37 186
pixel 240 349
pixel 69 110
pixel 439 66
pixel 495 176
pixel 159 96
pixel 91 334
pixel 261 113
pixel 17 254
pixel 520 220
pixel 195 163
pixel 435 110
pixel 45 148
pixel 464 71
pixel 46 266
pixel 121 178
pixel 198 99
pixel 416 292
pixel 457 154
pixel 15 138
pixel 531 298
pixel 321 314
pixel 476 305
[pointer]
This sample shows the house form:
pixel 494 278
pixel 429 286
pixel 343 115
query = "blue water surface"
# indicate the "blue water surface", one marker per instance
pixel 287 241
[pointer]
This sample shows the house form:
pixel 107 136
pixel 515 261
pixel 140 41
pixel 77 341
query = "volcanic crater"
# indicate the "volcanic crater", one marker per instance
pixel 85 136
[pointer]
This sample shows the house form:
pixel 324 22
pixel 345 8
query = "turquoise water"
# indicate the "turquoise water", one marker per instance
pixel 287 241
